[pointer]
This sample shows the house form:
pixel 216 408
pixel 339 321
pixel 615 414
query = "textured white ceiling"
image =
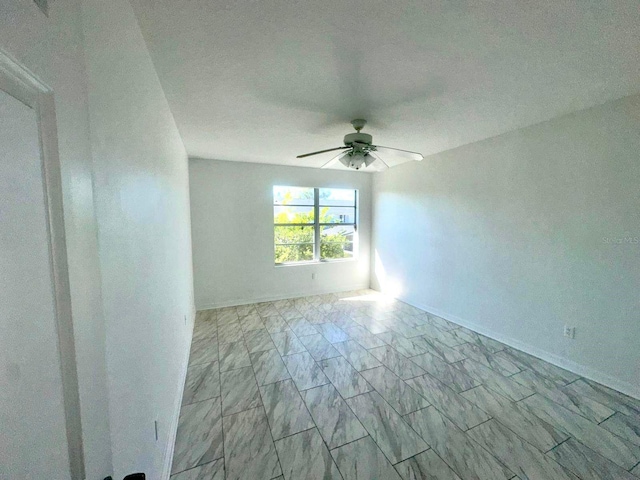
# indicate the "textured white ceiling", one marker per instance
pixel 263 81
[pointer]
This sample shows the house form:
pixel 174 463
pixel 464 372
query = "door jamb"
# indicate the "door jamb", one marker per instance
pixel 26 87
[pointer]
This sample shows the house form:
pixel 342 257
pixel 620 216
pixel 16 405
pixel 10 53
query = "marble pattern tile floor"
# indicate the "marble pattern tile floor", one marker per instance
pixel 359 386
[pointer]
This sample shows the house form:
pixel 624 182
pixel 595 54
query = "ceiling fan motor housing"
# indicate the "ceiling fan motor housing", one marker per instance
pixel 357 137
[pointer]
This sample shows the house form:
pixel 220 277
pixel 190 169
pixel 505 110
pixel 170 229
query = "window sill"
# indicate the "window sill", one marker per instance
pixel 321 262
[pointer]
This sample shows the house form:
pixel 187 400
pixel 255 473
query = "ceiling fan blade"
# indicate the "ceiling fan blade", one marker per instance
pixel 379 165
pixel 400 153
pixel 322 151
pixel 334 161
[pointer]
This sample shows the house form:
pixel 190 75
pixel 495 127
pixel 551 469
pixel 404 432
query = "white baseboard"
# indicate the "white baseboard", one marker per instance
pixel 272 298
pixel 560 361
pixel 173 428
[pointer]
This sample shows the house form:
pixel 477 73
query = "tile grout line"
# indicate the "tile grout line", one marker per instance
pixel 368 432
pixel 224 456
pixel 556 446
pixel 401 417
pixel 352 441
pixel 497 419
pixel 315 425
pixel 464 432
pixel 489 452
pixel 197 466
pixel 414 456
pixel 389 315
pixel 614 412
pixel 224 453
pixel 322 438
pixel 273 442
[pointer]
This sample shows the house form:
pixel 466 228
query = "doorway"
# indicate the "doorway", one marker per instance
pixel 39 406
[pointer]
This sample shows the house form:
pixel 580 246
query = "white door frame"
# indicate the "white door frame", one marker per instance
pixel 23 85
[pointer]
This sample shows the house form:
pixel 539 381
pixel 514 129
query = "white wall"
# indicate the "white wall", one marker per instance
pixel 508 236
pixel 51 47
pixel 232 230
pixel 142 205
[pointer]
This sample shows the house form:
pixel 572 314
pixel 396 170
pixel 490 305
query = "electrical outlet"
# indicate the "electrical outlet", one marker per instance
pixel 569 332
pixel 313 276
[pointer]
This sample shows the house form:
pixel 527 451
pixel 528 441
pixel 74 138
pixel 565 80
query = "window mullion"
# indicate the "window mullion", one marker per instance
pixel 316 221
pixel 355 210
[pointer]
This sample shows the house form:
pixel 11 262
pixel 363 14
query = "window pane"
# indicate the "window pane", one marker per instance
pixel 333 251
pixel 337 215
pixel 293 244
pixel 287 214
pixel 337 242
pixel 335 233
pixel 292 196
pixel 337 196
pixel 294 253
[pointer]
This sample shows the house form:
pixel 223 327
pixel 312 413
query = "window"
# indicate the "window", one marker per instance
pixel 314 224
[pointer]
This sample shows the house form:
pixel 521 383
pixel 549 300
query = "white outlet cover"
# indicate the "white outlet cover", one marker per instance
pixel 569 332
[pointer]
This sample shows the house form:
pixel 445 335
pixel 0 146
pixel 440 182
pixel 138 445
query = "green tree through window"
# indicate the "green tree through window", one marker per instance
pixel 295 227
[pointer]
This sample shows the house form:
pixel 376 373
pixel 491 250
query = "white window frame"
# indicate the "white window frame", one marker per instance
pixel 317 227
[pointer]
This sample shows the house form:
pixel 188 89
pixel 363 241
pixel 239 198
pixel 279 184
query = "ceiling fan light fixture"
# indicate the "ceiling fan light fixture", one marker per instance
pixel 369 159
pixel 354 160
pixel 360 152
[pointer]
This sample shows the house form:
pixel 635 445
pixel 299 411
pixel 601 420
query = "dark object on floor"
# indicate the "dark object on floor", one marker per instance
pixel 133 476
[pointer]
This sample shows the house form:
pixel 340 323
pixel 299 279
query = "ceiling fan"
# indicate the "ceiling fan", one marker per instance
pixel 359 152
